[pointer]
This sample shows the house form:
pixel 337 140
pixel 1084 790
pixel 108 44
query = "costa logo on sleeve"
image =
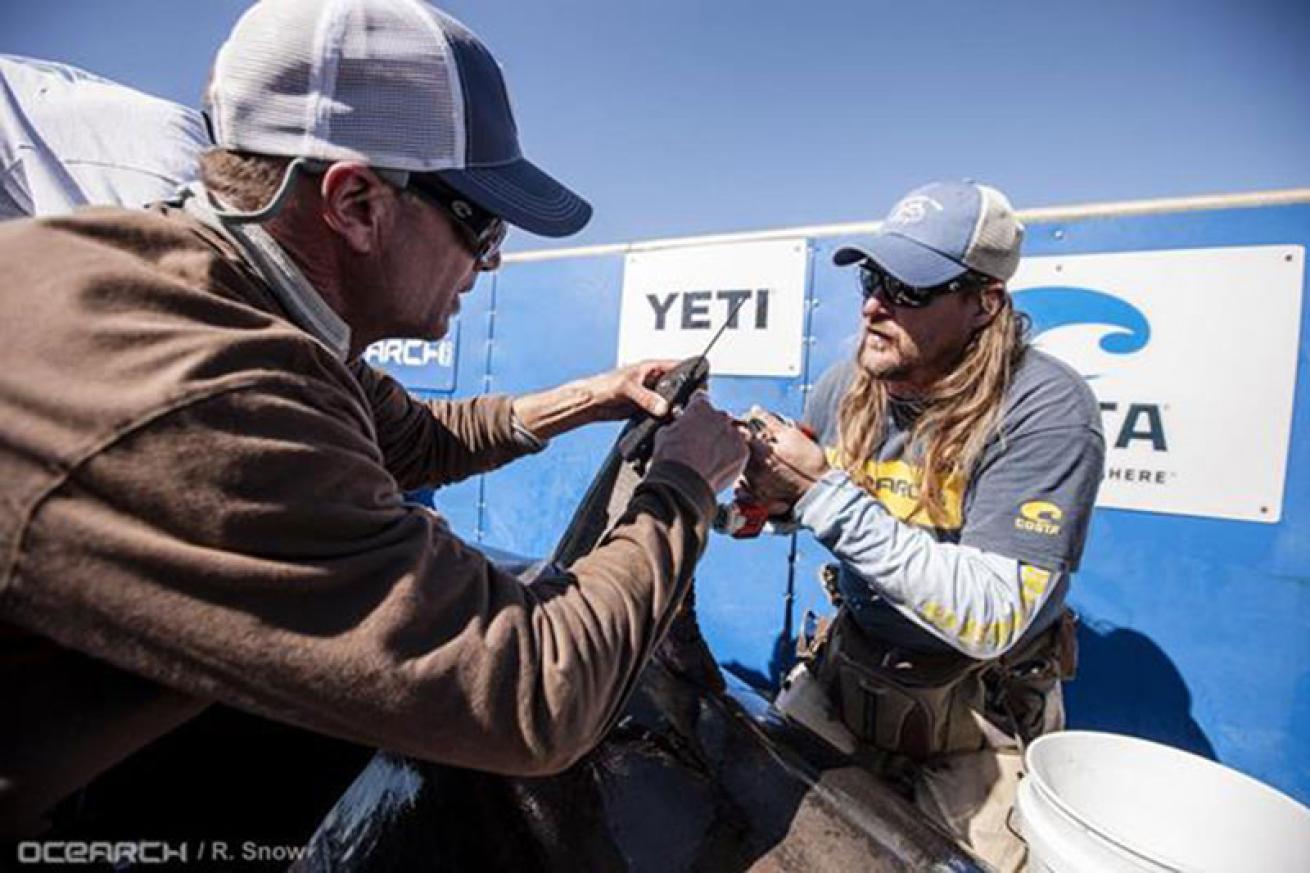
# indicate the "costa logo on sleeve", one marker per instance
pixel 1039 516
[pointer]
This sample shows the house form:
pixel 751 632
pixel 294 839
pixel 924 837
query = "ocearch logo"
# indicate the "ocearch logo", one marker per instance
pixel 411 353
pixel 1092 331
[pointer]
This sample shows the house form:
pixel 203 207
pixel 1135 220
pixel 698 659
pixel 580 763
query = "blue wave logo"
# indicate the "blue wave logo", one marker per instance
pixel 1073 323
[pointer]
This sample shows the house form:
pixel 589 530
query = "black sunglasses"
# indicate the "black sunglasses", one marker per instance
pixel 483 231
pixel 876 282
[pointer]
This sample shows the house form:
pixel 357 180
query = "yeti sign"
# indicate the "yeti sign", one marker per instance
pixel 675 300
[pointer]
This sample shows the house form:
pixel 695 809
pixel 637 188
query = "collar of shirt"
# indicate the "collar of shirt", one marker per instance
pixel 297 295
pixel 905 411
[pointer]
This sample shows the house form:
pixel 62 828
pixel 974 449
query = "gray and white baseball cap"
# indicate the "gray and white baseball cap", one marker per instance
pixel 937 232
pixel 397 84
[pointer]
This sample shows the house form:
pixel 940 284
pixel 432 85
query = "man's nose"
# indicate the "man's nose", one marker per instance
pixel 874 305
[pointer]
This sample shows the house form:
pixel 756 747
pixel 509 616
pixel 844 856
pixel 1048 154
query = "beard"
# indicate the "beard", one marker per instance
pixel 883 359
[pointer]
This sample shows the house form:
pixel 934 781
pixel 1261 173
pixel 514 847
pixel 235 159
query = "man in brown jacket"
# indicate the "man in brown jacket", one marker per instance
pixel 201 483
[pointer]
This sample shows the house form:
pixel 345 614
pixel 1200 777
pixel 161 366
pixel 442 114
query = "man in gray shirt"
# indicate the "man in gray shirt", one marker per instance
pixel 953 479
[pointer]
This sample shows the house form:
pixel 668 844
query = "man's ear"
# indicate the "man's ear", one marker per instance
pixel 358 205
pixel 991 299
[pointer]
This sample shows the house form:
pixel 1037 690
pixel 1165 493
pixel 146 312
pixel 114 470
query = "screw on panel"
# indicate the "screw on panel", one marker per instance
pixel 1059 234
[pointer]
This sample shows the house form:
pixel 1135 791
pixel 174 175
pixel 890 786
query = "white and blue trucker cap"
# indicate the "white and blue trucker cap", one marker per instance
pixel 396 84
pixel 937 232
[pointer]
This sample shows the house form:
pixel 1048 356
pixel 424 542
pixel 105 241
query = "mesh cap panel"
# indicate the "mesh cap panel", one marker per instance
pixel 341 80
pixel 257 96
pixel 997 237
pixel 402 84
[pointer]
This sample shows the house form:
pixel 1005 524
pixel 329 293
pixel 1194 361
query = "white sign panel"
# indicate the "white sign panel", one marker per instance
pixel 1193 357
pixel 675 300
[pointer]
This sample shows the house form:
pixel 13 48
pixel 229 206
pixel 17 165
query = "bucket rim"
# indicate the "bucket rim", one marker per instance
pixel 1098 828
pixel 1056 807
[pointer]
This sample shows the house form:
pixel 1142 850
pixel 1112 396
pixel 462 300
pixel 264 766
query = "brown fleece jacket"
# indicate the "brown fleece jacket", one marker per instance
pixel 199 503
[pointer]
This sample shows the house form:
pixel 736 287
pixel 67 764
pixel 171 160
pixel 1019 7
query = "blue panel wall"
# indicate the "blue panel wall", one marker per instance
pixel 1196 632
pixel 554 321
pixel 459 503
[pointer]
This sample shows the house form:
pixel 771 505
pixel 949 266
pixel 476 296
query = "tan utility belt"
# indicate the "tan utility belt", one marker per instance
pixel 923 705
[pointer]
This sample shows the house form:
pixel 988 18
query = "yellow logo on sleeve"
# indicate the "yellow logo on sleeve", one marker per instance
pixel 1035 580
pixel 1039 516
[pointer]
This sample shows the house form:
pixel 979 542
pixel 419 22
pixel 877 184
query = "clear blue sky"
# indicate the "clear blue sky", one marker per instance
pixel 679 118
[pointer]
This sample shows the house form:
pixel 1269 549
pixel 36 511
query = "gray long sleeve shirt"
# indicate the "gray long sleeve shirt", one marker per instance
pixel 998 568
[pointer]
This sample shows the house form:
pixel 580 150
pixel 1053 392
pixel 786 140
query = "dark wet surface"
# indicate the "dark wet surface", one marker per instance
pixel 689 779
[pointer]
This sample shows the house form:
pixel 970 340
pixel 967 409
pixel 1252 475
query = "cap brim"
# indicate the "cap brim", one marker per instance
pixel 523 195
pixel 912 263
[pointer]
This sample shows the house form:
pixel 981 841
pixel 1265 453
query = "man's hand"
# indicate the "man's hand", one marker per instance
pixel 610 396
pixel 706 440
pixel 784 463
pixel 624 392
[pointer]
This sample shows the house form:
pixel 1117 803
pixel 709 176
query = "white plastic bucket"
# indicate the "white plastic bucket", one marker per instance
pixel 1103 803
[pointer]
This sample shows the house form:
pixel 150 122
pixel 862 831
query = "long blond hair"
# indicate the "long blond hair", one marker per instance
pixel 960 413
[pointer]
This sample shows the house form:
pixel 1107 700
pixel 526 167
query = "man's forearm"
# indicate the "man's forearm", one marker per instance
pixel 547 414
pixel 604 397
